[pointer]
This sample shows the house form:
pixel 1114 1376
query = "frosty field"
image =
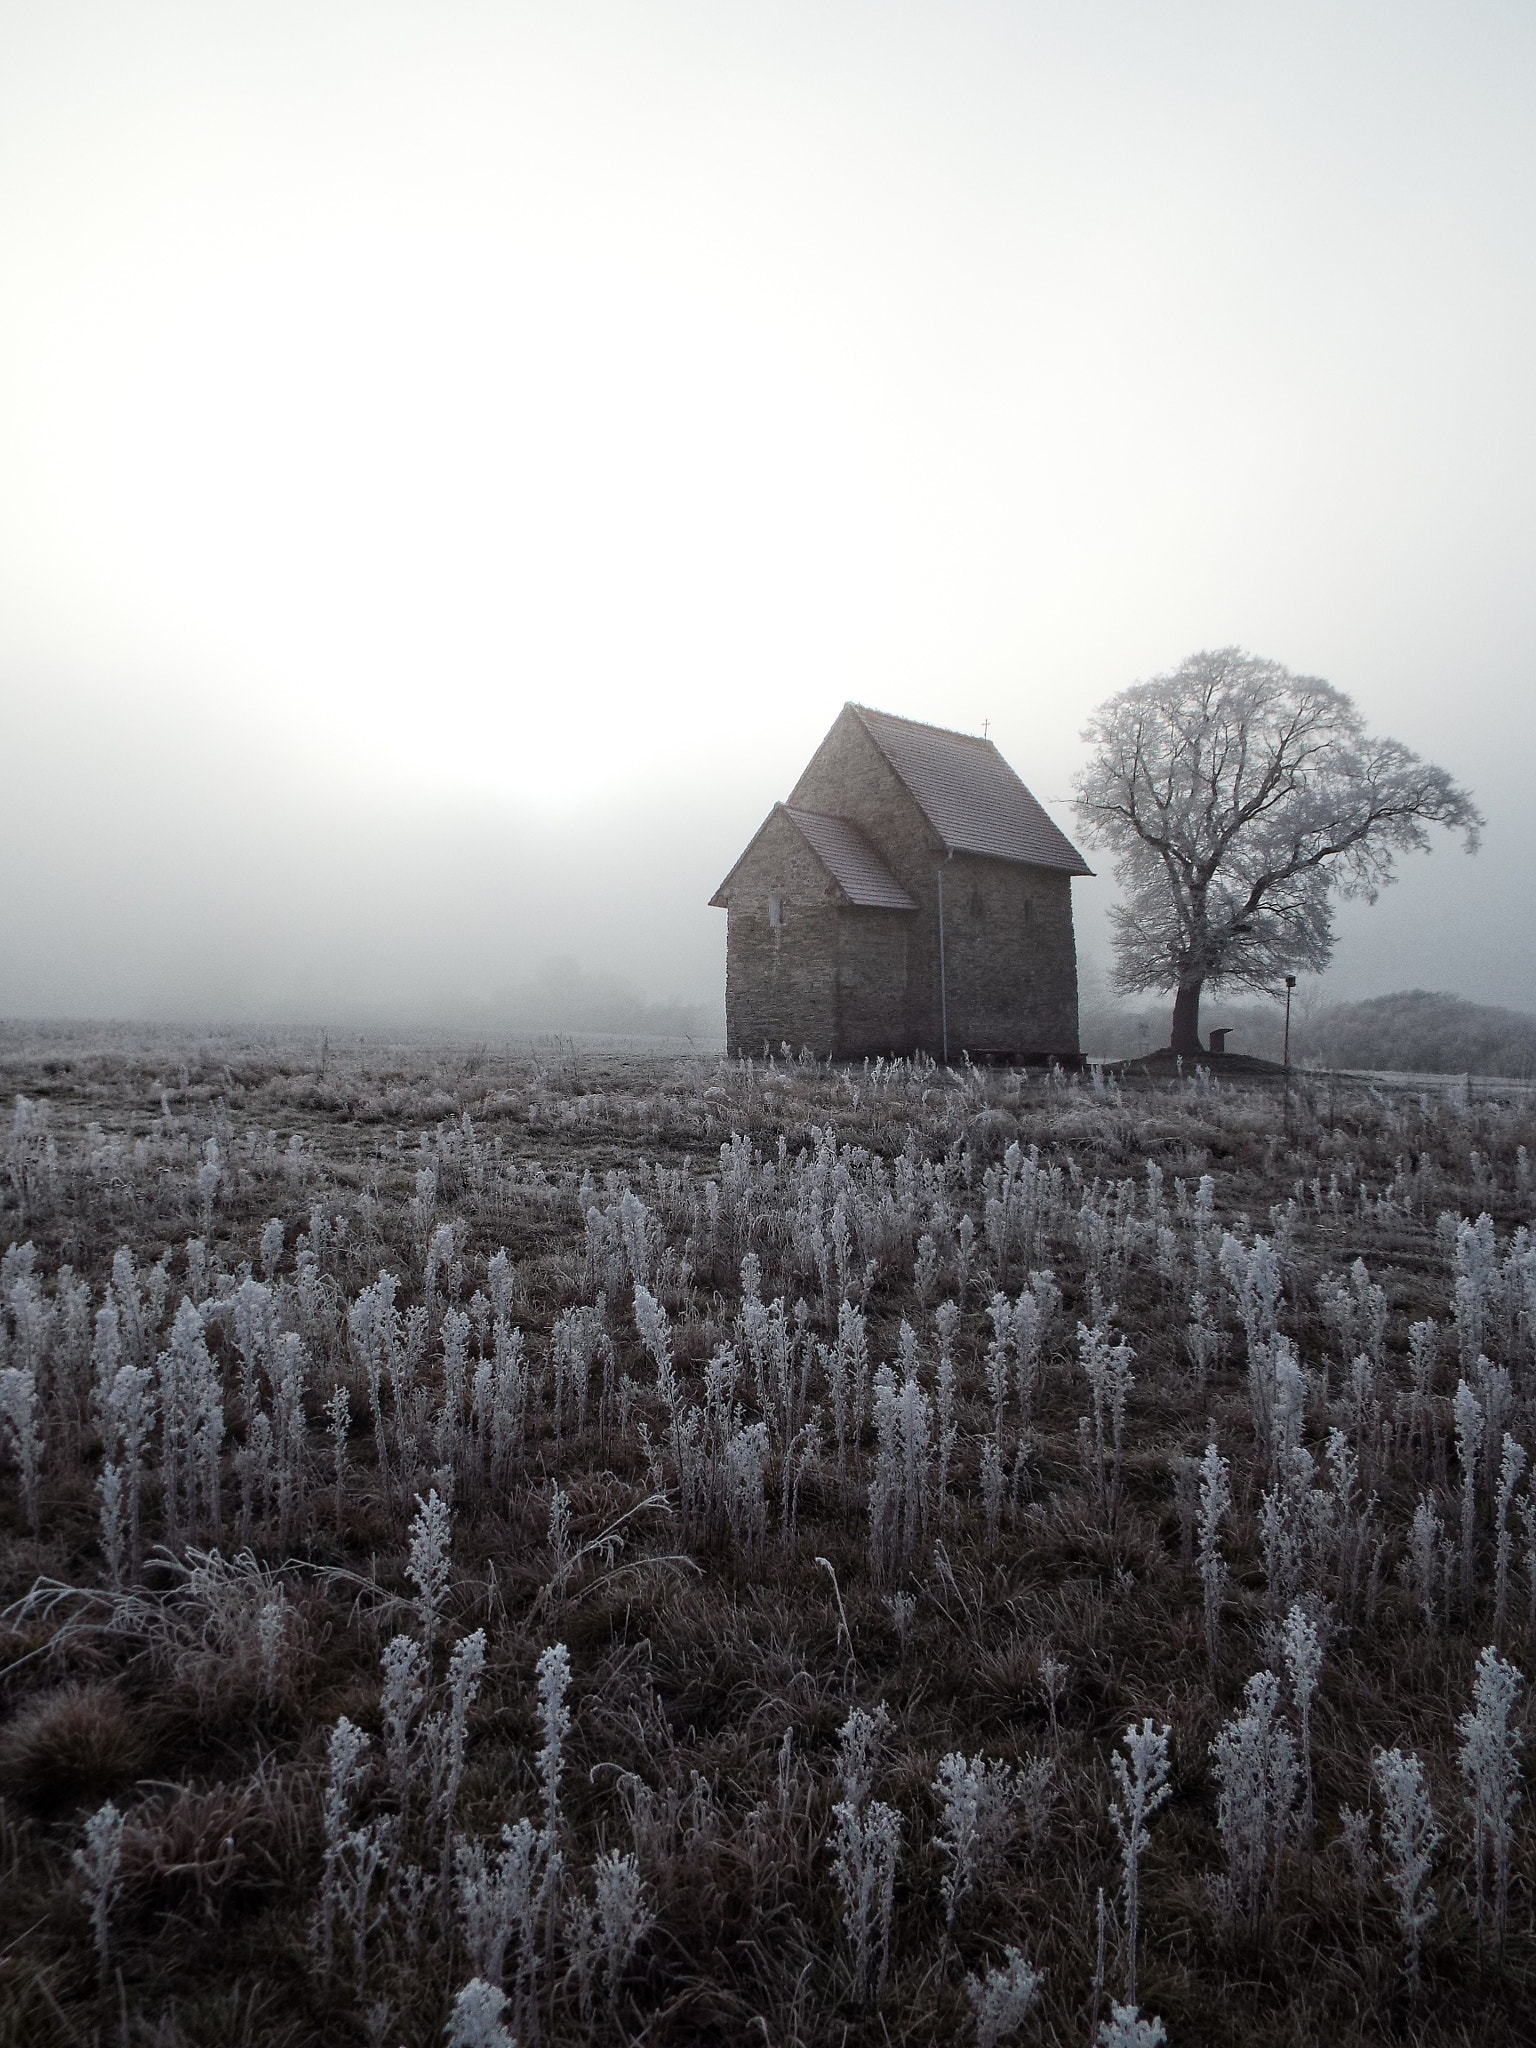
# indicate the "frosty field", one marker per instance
pixel 586 1545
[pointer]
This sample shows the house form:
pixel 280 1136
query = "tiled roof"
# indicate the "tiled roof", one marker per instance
pixel 969 794
pixel 851 861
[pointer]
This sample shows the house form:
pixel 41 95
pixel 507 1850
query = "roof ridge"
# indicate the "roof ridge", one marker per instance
pixel 949 732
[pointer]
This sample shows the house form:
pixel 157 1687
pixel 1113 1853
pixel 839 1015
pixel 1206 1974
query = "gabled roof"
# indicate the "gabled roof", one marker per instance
pixel 969 794
pixel 851 863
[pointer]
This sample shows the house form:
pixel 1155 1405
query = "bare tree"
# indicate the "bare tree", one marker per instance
pixel 1239 800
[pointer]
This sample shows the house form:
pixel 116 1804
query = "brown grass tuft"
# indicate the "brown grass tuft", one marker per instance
pixel 72 1748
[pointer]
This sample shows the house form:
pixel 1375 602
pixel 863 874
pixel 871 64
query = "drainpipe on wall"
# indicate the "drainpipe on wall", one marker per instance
pixel 943 990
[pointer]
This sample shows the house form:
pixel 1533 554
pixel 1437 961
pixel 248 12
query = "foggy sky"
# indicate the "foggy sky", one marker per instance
pixel 455 460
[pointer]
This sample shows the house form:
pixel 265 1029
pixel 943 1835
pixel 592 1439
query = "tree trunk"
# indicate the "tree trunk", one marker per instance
pixel 1186 1020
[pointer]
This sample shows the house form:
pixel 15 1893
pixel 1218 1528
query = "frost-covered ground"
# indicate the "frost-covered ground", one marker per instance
pixel 611 1546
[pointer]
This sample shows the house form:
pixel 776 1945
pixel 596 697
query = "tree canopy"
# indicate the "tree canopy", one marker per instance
pixel 1239 800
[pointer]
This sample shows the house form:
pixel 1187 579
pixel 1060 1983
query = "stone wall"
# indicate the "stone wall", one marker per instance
pixel 872 976
pixel 1010 957
pixel 781 980
pixel 849 777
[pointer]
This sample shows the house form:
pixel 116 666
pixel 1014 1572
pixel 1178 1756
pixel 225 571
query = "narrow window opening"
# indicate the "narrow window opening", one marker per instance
pixel 775 910
pixel 978 904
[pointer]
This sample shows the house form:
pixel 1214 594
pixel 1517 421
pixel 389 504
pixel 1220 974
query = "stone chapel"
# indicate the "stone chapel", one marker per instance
pixel 910 895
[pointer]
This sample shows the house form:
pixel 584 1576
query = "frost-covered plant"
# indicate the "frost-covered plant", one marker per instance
pixel 993 1476
pixel 1257 1772
pixel 1476 1285
pixel 744 1468
pixel 19 1423
pixel 339 1417
pixel 349 1747
pixel 624 1917
pixel 1125 2028
pixel 1423 1557
pixel 1303 1651
pixel 947 1321
pixel 1202 1338
pixel 1215 1500
pixel 1003 1998
pixel 402 1697
pixel 501 1394
pixel 575 1342
pixel 191 1427
pixel 899 1485
pixel 430 1563
pixel 1469 1436
pixel 1525 1507
pixel 98 1863
pixel 446 1732
pixel 1511 1465
pixel 290 1431
pixel 926 1270
pixel 208 1177
pixel 554 1678
pixel 110 1489
pixel 475 2021
pixel 1423 1356
pixel 978 1796
pixel 1033 1314
pixel 999 1350
pixel 373 1325
pixel 655 1329
pixel 1409 1838
pixel 364 1854
pixel 1255 1280
pixel 866 1845
pixel 1110 1380
pixel 496 1898
pixel 271 1638
pixel 1490 1764
pixel 853 1364
pixel 1144 1787
pixel 271 1247
pixel 903 1608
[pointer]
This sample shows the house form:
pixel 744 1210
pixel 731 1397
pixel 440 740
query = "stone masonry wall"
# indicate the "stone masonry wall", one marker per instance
pixel 781 980
pixel 849 777
pixel 1010 957
pixel 873 946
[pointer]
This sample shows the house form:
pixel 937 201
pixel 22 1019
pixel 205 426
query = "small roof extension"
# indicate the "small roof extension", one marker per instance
pixel 969 794
pixel 849 859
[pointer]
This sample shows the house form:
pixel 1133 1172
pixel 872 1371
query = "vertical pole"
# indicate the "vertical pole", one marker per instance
pixel 943 991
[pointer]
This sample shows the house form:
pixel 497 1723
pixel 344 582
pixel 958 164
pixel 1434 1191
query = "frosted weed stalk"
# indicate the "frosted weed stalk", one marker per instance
pixel 429 1564
pixel 978 1798
pixel 866 1845
pixel 1215 1501
pixel 1490 1764
pixel 98 1864
pixel 1003 1998
pixel 1144 1788
pixel 1409 1837
pixel 1254 1758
